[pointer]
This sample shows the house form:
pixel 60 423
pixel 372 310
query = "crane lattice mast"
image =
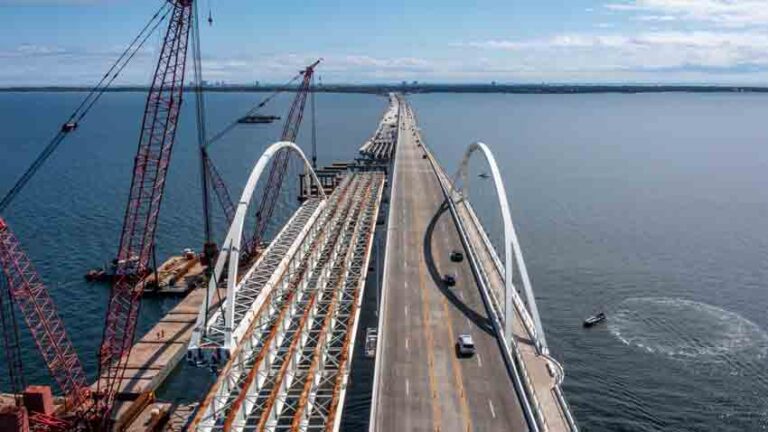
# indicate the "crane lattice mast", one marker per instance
pixel 158 133
pixel 29 293
pixel 279 165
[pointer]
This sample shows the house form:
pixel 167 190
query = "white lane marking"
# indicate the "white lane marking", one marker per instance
pixel 493 411
pixel 469 324
pixel 405 309
pixel 405 283
pixel 479 360
pixel 406 345
pixel 408 387
pixel 461 294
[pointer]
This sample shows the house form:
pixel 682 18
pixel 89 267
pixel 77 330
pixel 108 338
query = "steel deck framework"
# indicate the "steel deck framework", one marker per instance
pixel 290 370
pixel 382 145
pixel 264 273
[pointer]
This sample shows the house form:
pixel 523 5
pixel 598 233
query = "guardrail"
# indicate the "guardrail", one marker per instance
pixel 384 290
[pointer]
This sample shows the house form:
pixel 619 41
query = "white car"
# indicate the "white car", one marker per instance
pixel 465 346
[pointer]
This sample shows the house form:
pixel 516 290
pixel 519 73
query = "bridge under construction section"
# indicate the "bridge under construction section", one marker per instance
pixel 276 318
pixel 279 329
pixel 282 341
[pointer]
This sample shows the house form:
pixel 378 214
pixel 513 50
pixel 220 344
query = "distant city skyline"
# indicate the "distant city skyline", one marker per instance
pixel 72 42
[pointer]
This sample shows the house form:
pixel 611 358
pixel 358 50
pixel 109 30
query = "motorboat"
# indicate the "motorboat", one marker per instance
pixel 595 319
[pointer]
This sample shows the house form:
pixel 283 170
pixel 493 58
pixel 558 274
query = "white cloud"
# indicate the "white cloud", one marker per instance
pixel 29 64
pixel 728 13
pixel 714 52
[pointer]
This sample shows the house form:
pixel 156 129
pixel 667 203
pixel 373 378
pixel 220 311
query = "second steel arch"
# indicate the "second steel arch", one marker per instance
pixel 512 250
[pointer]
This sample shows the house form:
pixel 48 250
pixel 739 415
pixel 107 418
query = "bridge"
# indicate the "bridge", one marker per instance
pixel 281 341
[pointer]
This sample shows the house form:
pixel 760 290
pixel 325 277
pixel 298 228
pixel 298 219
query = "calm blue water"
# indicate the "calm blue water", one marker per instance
pixel 650 207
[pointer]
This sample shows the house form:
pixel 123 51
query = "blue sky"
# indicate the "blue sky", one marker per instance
pixel 508 41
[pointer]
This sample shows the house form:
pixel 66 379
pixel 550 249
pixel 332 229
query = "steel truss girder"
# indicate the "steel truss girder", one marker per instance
pixel 262 402
pixel 256 283
pixel 251 352
pixel 324 413
pixel 288 373
pixel 315 336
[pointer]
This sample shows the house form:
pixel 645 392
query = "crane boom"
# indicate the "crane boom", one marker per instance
pixel 280 163
pixel 31 296
pixel 220 188
pixel 11 340
pixel 158 133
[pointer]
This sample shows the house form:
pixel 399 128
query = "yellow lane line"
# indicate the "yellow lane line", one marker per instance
pixel 459 382
pixel 457 374
pixel 436 414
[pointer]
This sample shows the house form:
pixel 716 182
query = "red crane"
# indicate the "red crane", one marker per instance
pixel 280 163
pixel 25 288
pixel 222 193
pixel 158 133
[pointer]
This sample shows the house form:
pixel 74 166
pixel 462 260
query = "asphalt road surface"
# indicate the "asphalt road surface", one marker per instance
pixel 424 385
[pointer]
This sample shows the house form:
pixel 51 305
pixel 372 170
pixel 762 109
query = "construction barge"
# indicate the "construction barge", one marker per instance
pixel 177 276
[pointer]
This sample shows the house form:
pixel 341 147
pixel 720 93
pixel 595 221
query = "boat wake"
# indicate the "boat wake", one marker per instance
pixel 684 329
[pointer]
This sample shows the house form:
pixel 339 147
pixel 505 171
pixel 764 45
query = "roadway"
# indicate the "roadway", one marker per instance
pixel 422 384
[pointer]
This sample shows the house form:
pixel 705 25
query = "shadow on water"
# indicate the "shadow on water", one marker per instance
pixel 479 319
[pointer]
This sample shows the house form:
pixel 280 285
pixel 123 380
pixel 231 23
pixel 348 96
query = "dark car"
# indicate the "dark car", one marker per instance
pixel 457 256
pixel 449 280
pixel 465 346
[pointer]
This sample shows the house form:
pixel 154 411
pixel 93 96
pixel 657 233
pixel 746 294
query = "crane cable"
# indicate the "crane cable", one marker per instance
pixel 89 101
pixel 254 109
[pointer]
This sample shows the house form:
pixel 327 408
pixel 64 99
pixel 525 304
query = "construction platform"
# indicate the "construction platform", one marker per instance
pixel 176 276
pixel 152 360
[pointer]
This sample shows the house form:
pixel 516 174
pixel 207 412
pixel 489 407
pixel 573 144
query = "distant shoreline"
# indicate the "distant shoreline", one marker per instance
pixel 435 88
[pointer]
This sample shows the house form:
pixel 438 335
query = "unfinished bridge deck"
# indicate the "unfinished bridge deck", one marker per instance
pixel 289 368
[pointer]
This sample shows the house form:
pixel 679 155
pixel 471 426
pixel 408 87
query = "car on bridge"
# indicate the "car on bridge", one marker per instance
pixel 465 346
pixel 457 256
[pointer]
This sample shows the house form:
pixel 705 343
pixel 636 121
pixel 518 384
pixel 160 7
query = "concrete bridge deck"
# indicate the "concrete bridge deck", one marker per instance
pixel 542 375
pixel 420 382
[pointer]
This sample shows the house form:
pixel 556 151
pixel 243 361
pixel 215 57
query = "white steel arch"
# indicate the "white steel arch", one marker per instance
pixel 512 249
pixel 230 248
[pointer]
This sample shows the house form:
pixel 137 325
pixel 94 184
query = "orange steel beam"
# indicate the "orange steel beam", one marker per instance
pixel 248 334
pixel 235 354
pixel 281 373
pixel 343 362
pixel 319 348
